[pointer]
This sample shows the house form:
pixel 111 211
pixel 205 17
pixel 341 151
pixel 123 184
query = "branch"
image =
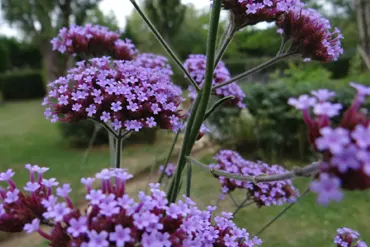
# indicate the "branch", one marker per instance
pixel 297 172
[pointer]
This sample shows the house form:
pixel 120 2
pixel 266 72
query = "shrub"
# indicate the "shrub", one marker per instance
pixel 22 84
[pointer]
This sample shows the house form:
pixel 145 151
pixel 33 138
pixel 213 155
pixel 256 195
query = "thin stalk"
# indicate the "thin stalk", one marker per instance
pixel 281 213
pixel 152 169
pixel 240 206
pixel 282 46
pixel 188 179
pixel 97 127
pixel 164 44
pixel 118 149
pixel 112 149
pixel 255 69
pixel 169 156
pixel 229 37
pixel 203 96
pixel 177 177
pixel 233 200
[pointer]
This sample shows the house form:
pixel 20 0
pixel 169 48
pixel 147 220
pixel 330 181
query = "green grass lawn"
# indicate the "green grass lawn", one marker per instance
pixel 27 137
pixel 306 224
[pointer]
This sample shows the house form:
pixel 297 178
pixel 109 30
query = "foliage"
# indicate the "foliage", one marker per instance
pixel 22 84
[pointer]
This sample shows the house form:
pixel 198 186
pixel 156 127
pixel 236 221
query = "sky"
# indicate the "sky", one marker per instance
pixel 121 8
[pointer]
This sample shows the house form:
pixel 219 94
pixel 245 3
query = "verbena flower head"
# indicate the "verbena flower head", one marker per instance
pixel 93 40
pixel 122 94
pixel 170 170
pixel 344 146
pixel 113 218
pixel 347 237
pixel 264 194
pixel 310 34
pixel 251 12
pixel 196 65
pixel 153 61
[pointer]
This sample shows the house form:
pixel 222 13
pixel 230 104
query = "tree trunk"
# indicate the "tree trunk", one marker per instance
pixel 363 23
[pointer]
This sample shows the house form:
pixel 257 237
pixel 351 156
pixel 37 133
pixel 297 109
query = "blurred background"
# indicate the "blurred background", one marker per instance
pixel 268 129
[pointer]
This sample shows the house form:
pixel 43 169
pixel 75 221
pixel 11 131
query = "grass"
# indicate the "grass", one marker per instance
pixel 27 137
pixel 306 224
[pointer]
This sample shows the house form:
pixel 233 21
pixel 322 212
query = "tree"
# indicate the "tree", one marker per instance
pixel 39 20
pixel 363 22
pixel 167 15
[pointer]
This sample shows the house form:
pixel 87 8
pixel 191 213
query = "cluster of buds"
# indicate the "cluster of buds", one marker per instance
pixel 121 93
pixel 153 61
pixel 112 217
pixel 196 66
pixel 93 40
pixel 310 35
pixel 344 147
pixel 263 194
pixel 250 12
pixel 346 238
pixel 169 171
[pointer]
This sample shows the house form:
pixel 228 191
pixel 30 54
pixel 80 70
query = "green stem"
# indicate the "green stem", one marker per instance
pixel 188 179
pixel 281 213
pixel 118 149
pixel 169 156
pixel 229 37
pixel 255 69
pixel 97 127
pixel 164 44
pixel 203 96
pixel 242 205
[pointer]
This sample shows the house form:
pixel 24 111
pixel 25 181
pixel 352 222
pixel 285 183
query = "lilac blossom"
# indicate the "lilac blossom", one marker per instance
pixel 327 109
pixel 323 95
pixel 77 226
pixel 333 139
pixel 303 102
pixel 327 189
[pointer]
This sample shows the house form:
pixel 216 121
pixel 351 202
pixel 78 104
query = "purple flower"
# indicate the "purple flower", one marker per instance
pixel 116 106
pixel 76 107
pixel 361 136
pixel 105 117
pixel 50 202
pixel 63 100
pixel 12 196
pixel 133 125
pixel 347 159
pixel 33 227
pixel 91 110
pixel 59 211
pixel 6 176
pixel 98 239
pixel 117 124
pixel 31 187
pixel 150 122
pixel 64 190
pixel 361 89
pixel 2 210
pixel 346 237
pixel 334 140
pixel 132 106
pixel 303 102
pixel 327 109
pixel 120 236
pixel 155 108
pixel 323 94
pixel 327 189
pixel 50 182
pixel 109 209
pixel 156 239
pixel 77 227
pixel 95 196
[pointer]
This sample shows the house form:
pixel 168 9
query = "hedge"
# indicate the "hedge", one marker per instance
pixel 22 84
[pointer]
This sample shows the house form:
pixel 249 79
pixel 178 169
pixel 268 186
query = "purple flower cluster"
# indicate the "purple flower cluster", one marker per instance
pixel 94 40
pixel 122 94
pixel 113 218
pixel 153 61
pixel 251 12
pixel 346 238
pixel 170 170
pixel 196 65
pixel 310 34
pixel 264 194
pixel 345 148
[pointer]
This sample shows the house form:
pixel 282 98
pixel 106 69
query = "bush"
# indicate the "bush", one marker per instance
pixel 22 84
pixel 79 134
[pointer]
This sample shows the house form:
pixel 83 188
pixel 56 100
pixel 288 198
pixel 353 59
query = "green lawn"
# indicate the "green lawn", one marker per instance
pixel 306 224
pixel 27 137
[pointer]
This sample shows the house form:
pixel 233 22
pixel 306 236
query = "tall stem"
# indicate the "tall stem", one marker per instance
pixel 228 38
pixel 164 44
pixel 97 127
pixel 169 156
pixel 112 149
pixel 203 98
pixel 255 69
pixel 118 149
